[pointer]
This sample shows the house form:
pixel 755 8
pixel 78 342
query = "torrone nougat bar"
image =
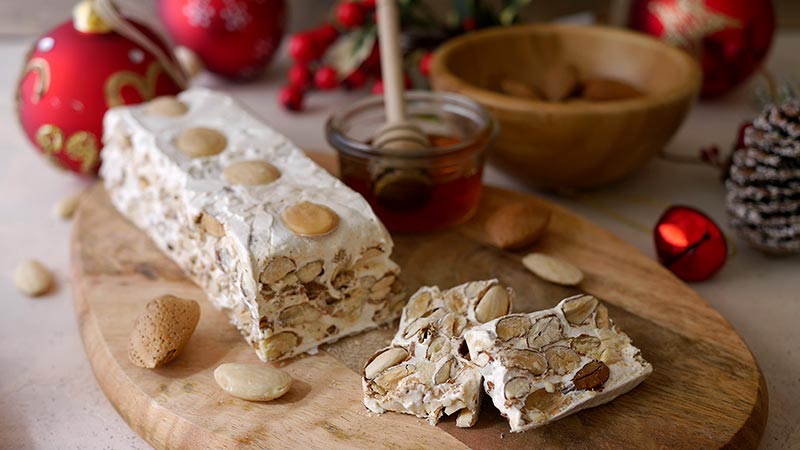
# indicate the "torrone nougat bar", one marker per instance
pixel 426 372
pixel 542 366
pixel 294 256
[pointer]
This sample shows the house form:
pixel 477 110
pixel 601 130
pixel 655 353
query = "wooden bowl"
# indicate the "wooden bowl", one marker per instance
pixel 576 143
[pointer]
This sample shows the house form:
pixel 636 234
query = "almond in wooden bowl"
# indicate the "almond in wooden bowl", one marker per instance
pixel 571 144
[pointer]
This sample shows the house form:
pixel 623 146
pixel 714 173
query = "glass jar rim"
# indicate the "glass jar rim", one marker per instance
pixel 341 141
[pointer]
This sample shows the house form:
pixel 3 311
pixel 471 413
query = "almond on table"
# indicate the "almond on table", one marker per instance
pixel 32 278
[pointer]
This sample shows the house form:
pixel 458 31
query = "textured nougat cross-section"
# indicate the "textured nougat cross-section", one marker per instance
pixel 295 257
pixel 426 371
pixel 542 366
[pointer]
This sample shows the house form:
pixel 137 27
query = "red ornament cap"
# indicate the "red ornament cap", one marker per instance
pixel 689 243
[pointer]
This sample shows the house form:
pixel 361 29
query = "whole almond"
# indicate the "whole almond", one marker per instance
pixel 519 89
pixel 67 206
pixel 166 105
pixel 251 173
pixel 606 89
pixel 493 304
pixel 559 81
pixel 383 360
pixel 253 382
pixel 32 278
pixel 517 225
pixel 162 331
pixel 200 142
pixel 552 269
pixel 310 219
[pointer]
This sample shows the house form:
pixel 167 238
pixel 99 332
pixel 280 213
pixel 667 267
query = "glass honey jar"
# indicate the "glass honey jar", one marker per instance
pixel 419 190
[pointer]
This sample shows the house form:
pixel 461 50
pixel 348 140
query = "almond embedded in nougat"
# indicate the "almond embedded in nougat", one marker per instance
pixel 517 225
pixel 162 331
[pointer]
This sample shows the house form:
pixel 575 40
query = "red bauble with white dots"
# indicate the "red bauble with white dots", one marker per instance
pixel 71 78
pixel 731 38
pixel 233 38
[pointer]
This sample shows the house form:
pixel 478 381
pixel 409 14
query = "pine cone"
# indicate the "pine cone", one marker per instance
pixel 763 184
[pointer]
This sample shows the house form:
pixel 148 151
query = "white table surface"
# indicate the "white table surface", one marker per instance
pixel 49 398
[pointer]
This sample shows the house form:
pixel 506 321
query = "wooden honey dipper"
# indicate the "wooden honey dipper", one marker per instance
pixel 398 133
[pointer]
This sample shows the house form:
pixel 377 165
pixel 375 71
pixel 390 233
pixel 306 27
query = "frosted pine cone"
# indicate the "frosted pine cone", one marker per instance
pixel 763 184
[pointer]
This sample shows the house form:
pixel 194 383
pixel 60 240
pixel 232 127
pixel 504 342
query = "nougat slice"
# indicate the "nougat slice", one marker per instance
pixel 426 371
pixel 545 365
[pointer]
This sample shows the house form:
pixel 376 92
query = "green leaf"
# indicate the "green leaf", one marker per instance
pixel 351 50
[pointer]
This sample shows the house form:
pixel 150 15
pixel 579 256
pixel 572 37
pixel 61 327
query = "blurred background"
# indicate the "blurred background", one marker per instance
pixel 30 17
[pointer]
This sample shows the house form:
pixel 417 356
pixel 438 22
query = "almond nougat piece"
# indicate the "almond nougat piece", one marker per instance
pixel 290 253
pixel 545 365
pixel 426 371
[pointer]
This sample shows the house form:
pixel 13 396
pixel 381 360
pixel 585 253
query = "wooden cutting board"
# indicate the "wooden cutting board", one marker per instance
pixel 706 390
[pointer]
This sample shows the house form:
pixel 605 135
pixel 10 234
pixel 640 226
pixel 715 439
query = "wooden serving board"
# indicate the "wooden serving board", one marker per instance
pixel 706 389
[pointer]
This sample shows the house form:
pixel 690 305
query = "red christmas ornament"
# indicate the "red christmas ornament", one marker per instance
pixel 75 72
pixel 233 38
pixel 689 243
pixel 731 38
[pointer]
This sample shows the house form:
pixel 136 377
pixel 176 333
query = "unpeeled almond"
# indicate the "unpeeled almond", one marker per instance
pixel 517 225
pixel 160 334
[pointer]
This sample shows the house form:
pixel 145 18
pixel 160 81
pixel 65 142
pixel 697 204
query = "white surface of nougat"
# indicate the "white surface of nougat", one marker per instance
pixel 286 292
pixel 545 365
pixel 425 371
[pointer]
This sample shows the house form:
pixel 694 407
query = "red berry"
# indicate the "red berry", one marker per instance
pixel 350 14
pixel 368 4
pixel 377 87
pixel 468 24
pixel 302 48
pixel 325 35
pixel 291 98
pixel 374 59
pixel 326 78
pixel 356 79
pixel 299 76
pixel 425 63
pixel 740 135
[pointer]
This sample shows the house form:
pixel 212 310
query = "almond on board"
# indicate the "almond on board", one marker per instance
pixel 162 331
pixel 517 225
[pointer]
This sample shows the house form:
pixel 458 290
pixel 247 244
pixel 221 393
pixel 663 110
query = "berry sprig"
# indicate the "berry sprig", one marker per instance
pixel 344 53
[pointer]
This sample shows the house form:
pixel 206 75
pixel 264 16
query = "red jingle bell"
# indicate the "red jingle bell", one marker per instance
pixel 78 70
pixel 689 243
